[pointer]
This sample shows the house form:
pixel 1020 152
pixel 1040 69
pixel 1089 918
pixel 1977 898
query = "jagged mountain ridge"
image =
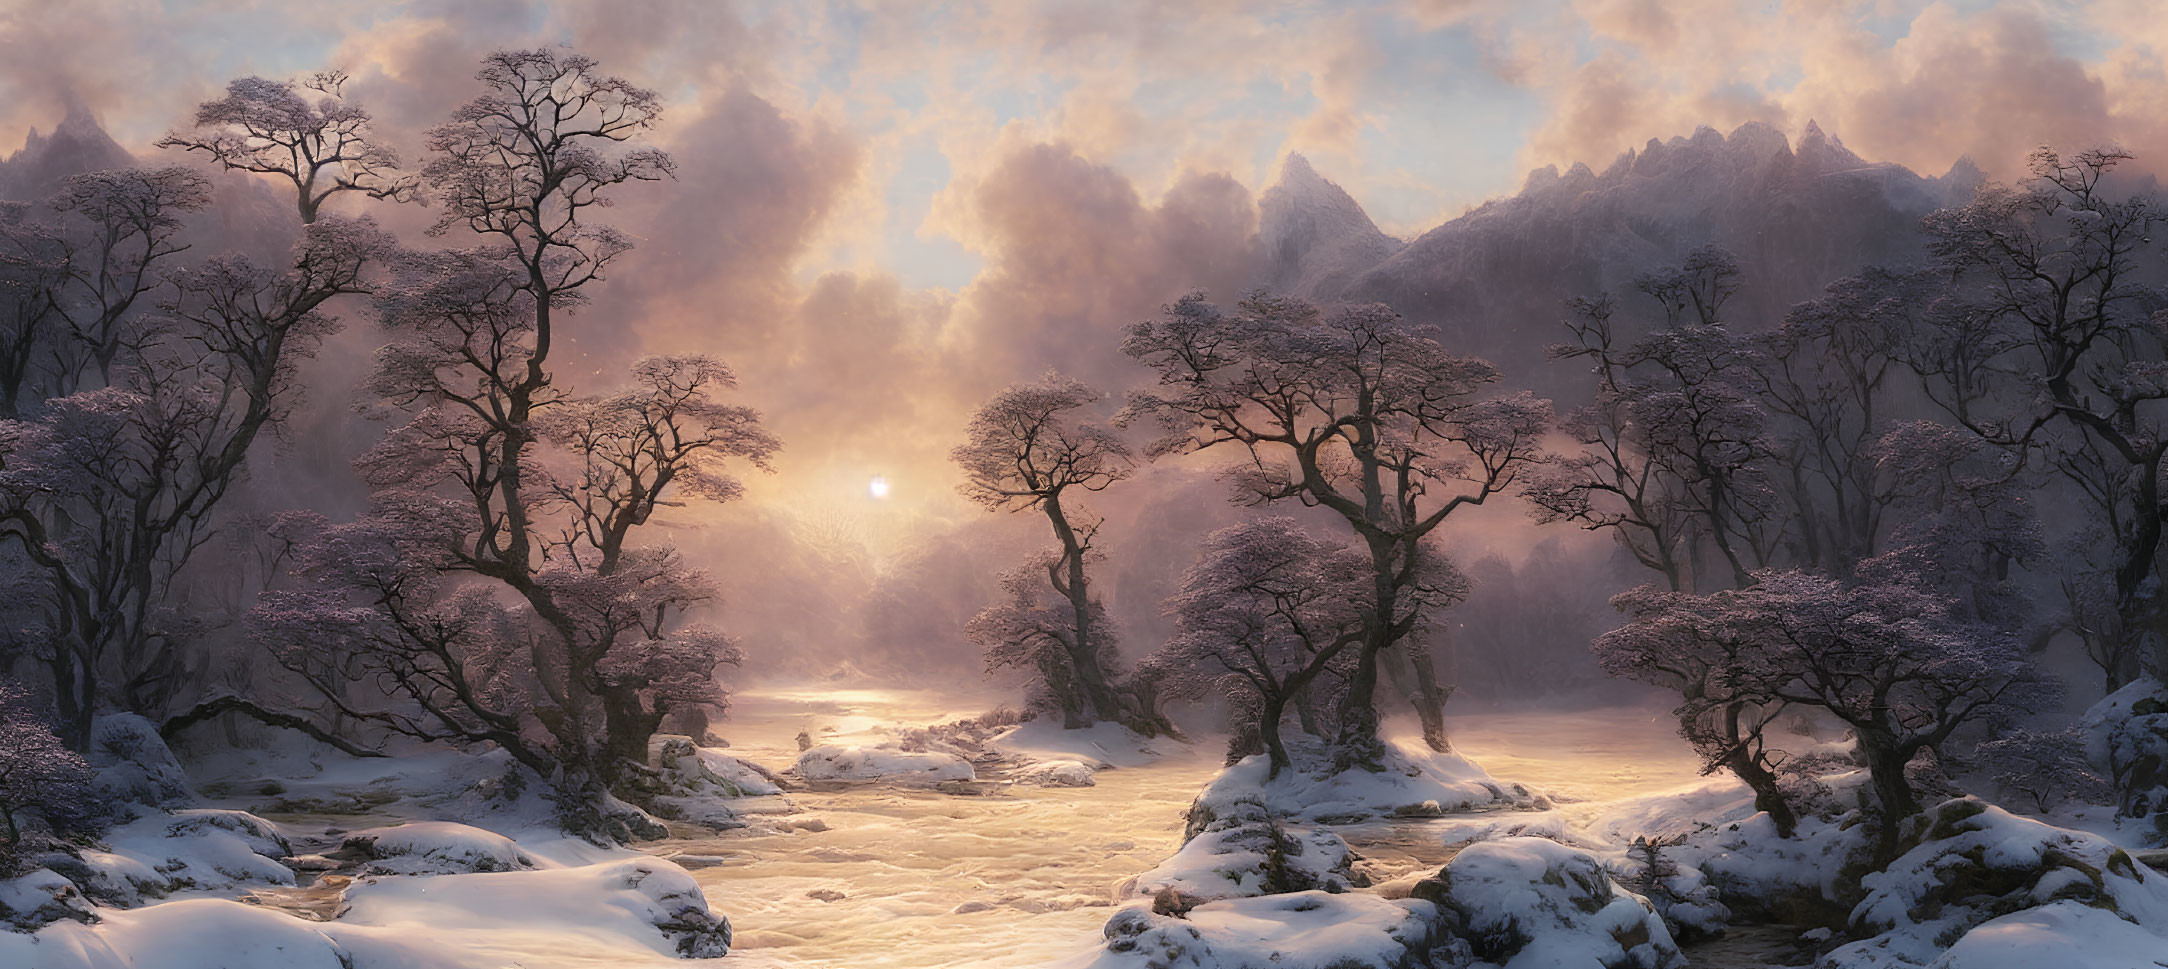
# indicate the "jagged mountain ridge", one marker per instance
pixel 1494 279
pixel 1315 237
pixel 77 144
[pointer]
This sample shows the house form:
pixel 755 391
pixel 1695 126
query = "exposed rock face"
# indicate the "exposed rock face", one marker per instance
pixel 39 898
pixel 1975 868
pixel 2126 738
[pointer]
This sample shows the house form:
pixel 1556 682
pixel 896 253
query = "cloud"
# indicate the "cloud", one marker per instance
pixel 1986 82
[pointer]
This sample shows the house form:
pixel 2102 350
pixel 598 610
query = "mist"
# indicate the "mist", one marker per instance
pixel 1422 485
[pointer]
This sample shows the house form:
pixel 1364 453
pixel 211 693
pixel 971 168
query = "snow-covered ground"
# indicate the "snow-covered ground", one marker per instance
pixel 1017 869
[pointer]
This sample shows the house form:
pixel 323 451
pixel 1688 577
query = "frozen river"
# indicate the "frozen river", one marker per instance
pixel 1026 877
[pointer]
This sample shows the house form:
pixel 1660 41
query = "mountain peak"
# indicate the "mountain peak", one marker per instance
pixel 1317 235
pixel 77 144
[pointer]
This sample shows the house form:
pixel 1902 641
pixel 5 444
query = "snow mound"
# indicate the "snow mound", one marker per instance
pixel 1973 865
pixel 190 934
pixel 1412 783
pixel 1532 902
pixel 852 762
pixel 647 899
pixel 1305 929
pixel 1246 852
pixel 133 765
pixel 2065 934
pixel 2126 738
pixel 436 848
pixel 190 850
pixel 39 898
pixel 592 914
pixel 1056 773
pixel 1101 745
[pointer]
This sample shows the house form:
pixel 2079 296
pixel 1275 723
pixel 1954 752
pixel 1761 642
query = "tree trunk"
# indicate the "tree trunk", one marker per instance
pixel 1356 744
pixel 1886 769
pixel 1268 730
pixel 75 695
pixel 1429 698
pixel 1306 713
pixel 1743 764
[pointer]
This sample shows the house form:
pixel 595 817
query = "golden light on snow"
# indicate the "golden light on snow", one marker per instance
pixel 878 487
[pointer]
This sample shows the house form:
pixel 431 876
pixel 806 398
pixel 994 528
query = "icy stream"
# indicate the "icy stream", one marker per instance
pixel 1026 877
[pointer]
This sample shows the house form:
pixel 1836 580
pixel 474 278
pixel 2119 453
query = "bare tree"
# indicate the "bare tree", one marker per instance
pixel 2052 306
pixel 323 148
pixel 109 492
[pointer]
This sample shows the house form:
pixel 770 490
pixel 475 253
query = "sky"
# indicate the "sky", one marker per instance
pixel 886 211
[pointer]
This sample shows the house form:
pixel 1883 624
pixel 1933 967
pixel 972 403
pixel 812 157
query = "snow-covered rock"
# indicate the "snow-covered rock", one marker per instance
pixel 188 850
pixel 1809 878
pixel 1246 852
pixel 1056 773
pixel 852 762
pixel 436 848
pixel 1413 783
pixel 135 769
pixel 706 786
pixel 1525 903
pixel 38 898
pixel 695 770
pixel 2126 738
pixel 1304 929
pixel 1976 867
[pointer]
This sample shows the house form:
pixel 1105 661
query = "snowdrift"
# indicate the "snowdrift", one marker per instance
pixel 853 762
pixel 1413 782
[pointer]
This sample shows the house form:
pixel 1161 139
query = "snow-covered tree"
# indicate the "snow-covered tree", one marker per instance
pixel 1359 411
pixel 1271 615
pixel 1678 641
pixel 1032 629
pixel 34 266
pixel 323 147
pixel 2046 767
pixel 1675 448
pixel 120 229
pixel 108 491
pixel 2048 343
pixel 495 591
pixel 1027 450
pixel 1901 664
pixel 1827 377
pixel 39 776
